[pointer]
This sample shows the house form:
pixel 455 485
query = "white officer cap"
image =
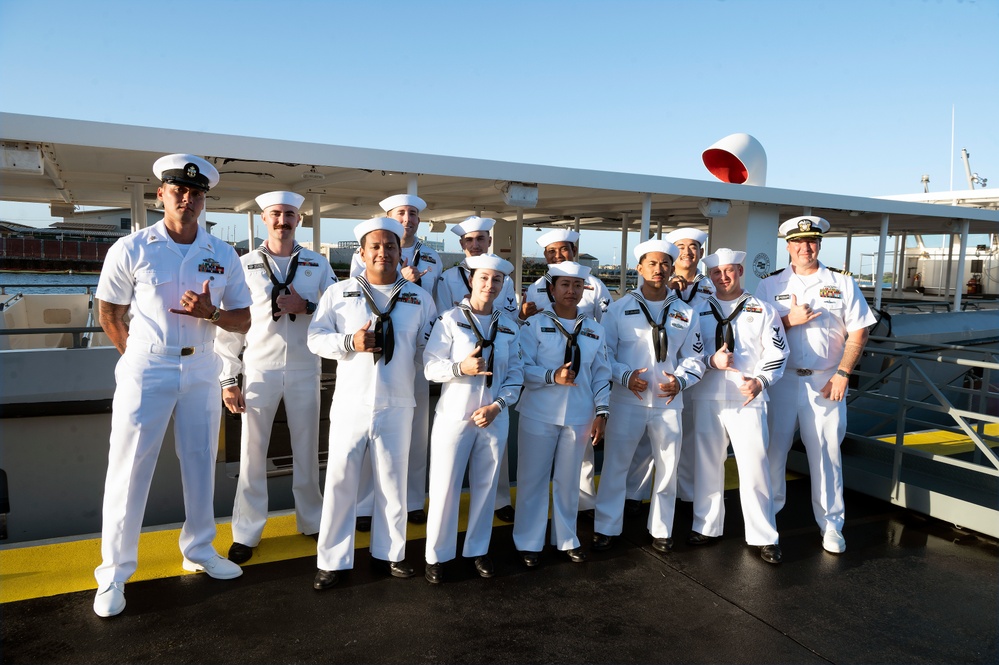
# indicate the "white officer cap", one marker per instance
pixel 806 226
pixel 688 233
pixel 186 170
pixel 378 224
pixel 393 202
pixel 269 199
pixel 724 257
pixel 489 262
pixel 568 268
pixel 471 224
pixel 558 235
pixel 653 245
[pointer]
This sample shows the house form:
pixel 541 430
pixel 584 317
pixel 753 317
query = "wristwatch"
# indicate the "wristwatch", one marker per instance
pixel 216 315
pixel 843 373
pixel 310 307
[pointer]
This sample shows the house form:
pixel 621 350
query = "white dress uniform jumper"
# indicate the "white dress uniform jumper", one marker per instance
pixel 372 410
pixel 755 336
pixel 456 441
pixel 663 337
pixel 276 364
pixel 168 372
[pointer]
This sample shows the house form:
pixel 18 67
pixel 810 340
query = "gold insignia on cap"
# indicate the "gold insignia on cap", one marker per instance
pixel 191 170
pixel 805 225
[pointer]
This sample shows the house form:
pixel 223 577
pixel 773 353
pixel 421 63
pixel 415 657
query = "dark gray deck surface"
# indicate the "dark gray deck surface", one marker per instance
pixel 908 590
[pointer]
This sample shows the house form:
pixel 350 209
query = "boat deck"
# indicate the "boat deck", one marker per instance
pixel 908 590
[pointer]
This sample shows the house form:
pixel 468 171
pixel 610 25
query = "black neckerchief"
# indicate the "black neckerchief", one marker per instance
pixel 660 342
pixel 485 342
pixel 724 334
pixel 416 254
pixel 571 345
pixel 279 286
pixel 548 287
pixel 693 291
pixel 464 278
pixel 384 335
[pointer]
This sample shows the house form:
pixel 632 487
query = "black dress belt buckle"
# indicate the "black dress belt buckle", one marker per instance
pixel 804 372
pixel 189 351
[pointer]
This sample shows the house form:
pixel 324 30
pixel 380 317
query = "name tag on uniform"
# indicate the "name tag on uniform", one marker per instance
pixel 351 294
pixel 464 325
pixel 629 312
pixel 254 266
pixel 783 296
pixel 549 330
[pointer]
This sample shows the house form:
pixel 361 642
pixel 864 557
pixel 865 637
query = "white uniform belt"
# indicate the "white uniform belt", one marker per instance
pixel 161 350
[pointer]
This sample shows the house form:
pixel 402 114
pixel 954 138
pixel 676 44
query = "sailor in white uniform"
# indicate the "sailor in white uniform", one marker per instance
pixel 563 411
pixel 421 265
pixel 475 353
pixel 286 282
pixel 826 319
pixel 655 350
pixel 562 245
pixel 374 325
pixel 170 279
pixel 692 287
pixel 746 350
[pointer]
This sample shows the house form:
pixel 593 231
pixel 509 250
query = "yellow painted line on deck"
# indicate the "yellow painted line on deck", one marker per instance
pixel 940 442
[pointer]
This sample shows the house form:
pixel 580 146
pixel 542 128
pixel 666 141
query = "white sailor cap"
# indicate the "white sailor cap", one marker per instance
pixel 568 268
pixel 489 262
pixel 378 224
pixel 186 170
pixel 688 233
pixel 654 245
pixel 806 226
pixel 724 257
pixel 471 224
pixel 393 202
pixel 558 235
pixel 269 199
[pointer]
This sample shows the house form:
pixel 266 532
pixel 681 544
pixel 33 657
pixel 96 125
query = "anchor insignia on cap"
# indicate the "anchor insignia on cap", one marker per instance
pixel 805 225
pixel 191 170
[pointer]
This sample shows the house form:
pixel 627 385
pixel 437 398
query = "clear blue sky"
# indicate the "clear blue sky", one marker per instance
pixel 847 96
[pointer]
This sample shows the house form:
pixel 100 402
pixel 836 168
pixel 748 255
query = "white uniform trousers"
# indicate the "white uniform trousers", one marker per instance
pixel 797 401
pixel 384 433
pixel 455 446
pixel 747 429
pixel 263 390
pixel 503 486
pixel 587 486
pixel 416 492
pixel 685 469
pixel 151 389
pixel 639 476
pixel 625 429
pixel 542 445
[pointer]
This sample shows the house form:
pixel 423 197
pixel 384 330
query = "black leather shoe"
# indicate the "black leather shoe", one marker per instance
pixel 434 573
pixel 697 539
pixel 771 553
pixel 632 507
pixel 601 542
pixel 400 569
pixel 417 516
pixel 587 514
pixel 664 545
pixel 576 555
pixel 531 559
pixel 240 553
pixel 364 524
pixel 505 514
pixel 484 566
pixel 325 579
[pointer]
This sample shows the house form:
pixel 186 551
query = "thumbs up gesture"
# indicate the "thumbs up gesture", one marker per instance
pixel 474 364
pixel 364 339
pixel 723 359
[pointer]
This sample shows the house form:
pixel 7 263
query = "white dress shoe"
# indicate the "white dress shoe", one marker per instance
pixel 110 600
pixel 834 542
pixel 218 567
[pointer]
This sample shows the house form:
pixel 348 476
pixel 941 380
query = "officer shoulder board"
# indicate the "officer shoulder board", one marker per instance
pixel 845 273
pixel 775 272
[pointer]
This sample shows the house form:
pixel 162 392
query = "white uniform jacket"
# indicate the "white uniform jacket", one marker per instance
pixel 451 340
pixel 760 350
pixel 342 311
pixel 818 345
pixel 543 348
pixel 630 346
pixel 149 272
pixel 452 288
pixel 596 298
pixel 274 344
pixel 416 255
